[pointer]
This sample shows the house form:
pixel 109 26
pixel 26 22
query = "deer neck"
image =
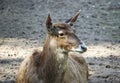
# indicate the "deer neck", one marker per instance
pixel 50 49
pixel 55 62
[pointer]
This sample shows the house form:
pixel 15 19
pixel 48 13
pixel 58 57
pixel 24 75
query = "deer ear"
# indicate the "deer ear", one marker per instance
pixel 73 19
pixel 48 22
pixel 50 29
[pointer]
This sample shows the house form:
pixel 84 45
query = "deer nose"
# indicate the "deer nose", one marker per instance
pixel 84 47
pixel 81 48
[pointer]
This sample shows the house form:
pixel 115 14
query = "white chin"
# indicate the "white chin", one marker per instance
pixel 77 50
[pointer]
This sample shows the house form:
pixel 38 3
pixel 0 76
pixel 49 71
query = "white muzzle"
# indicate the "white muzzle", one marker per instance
pixel 81 48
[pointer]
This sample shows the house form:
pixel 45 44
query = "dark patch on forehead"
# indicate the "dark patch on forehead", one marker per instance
pixel 61 25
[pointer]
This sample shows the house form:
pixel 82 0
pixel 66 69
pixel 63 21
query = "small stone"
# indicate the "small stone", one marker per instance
pixel 94 16
pixel 91 64
pixel 23 32
pixel 101 64
pixel 97 24
pixel 14 54
pixel 8 54
pixel 107 66
pixel 96 39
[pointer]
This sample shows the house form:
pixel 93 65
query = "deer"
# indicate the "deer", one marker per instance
pixel 60 59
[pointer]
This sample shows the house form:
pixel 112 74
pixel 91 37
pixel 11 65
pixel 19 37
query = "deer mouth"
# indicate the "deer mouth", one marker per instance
pixel 81 49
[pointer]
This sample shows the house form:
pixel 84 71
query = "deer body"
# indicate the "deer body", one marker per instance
pixel 59 61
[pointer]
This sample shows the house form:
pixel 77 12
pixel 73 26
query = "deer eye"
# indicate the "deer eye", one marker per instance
pixel 61 34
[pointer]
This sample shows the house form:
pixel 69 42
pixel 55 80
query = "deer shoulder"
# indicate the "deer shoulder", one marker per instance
pixel 77 71
pixel 28 72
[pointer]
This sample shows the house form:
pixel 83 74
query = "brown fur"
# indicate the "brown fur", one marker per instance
pixel 52 64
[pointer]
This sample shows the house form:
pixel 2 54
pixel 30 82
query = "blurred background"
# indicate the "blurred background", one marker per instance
pixel 22 29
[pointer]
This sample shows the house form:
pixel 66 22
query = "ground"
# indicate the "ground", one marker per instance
pixel 22 29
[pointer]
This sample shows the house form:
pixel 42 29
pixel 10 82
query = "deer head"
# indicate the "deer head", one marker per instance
pixel 62 35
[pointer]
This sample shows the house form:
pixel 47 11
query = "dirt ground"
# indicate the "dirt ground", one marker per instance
pixel 22 29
